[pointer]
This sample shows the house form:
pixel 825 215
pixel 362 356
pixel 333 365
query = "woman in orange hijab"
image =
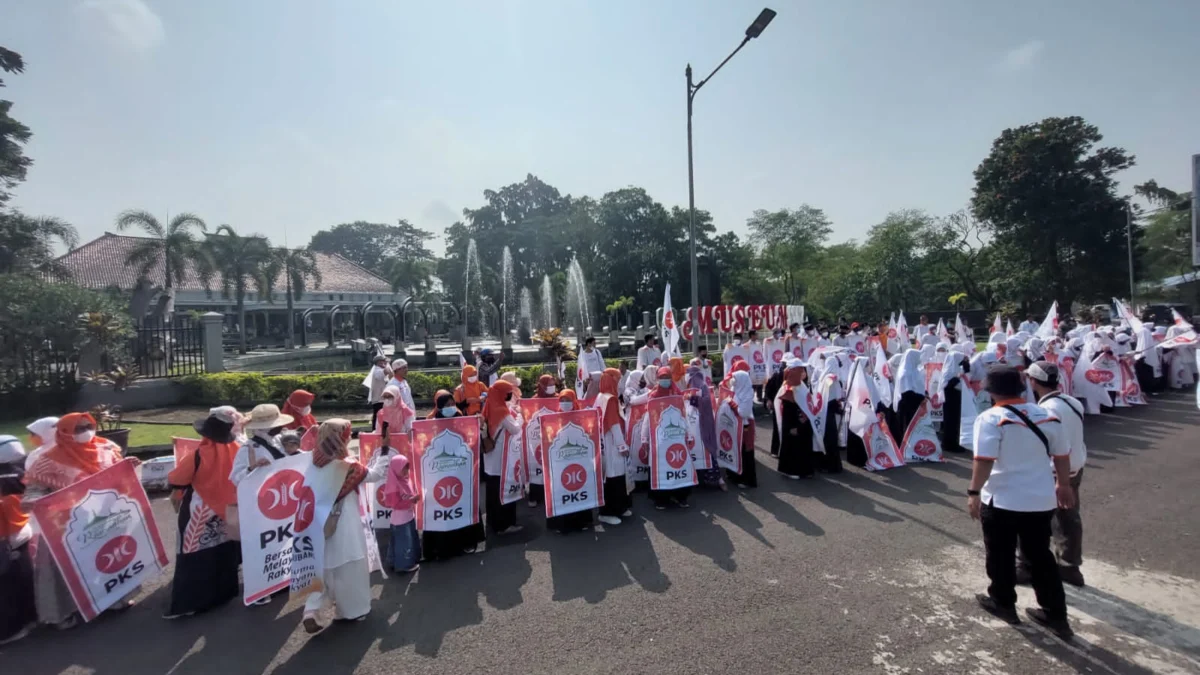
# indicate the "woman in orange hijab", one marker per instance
pixel 568 400
pixel 299 406
pixel 470 394
pixel 502 424
pixel 207 558
pixel 616 453
pixel 678 371
pixel 545 387
pixel 76 453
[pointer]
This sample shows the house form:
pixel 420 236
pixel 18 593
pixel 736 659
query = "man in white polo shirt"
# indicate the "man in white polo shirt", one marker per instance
pixel 1014 493
pixel 1067 526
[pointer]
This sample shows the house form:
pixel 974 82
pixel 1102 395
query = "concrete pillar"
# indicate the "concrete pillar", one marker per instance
pixel 430 352
pixel 646 319
pixel 214 355
pixel 614 344
pixel 506 346
pixel 466 341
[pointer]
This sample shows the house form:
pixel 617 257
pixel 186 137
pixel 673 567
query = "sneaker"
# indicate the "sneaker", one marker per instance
pixel 1071 575
pixel 24 632
pixel 511 529
pixel 262 601
pixel 168 617
pixel 1060 627
pixel 660 507
pixel 610 520
pixel 412 569
pixel 532 504
pixel 1023 576
pixel 311 626
pixel 1006 614
pixel 683 504
pixel 788 475
pixel 628 513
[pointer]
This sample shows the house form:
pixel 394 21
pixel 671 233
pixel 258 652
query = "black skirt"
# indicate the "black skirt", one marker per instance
pixel 796 456
pixel 207 578
pixel 446 545
pixel 952 417
pixel 500 517
pixel 17 608
pixel 616 498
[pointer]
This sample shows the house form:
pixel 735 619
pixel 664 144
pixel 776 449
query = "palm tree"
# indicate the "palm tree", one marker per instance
pixel 240 260
pixel 27 242
pixel 173 244
pixel 413 275
pixel 297 266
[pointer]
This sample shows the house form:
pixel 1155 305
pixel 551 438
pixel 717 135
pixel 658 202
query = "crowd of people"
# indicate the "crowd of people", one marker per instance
pixel 1026 375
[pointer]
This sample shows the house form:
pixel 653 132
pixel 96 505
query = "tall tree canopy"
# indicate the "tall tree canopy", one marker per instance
pixel 1048 194
pixel 372 245
pixel 13 134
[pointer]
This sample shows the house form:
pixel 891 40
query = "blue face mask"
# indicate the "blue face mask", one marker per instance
pixel 566 406
pixel 664 382
pixel 449 411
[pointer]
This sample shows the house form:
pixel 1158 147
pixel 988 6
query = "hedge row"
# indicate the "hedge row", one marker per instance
pixel 247 389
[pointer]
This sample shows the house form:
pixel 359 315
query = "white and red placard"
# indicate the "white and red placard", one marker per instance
pixel 269 501
pixel 319 492
pixel 182 447
pixel 573 459
pixel 670 463
pixel 921 442
pixel 758 364
pixel 639 453
pixel 856 344
pixel 532 409
pixel 814 406
pixel 308 442
pixel 774 349
pixel 102 536
pixel 368 445
pixel 933 391
pixel 447 472
pixel 729 437
pixel 512 483
pixel 882 451
pixel 1131 389
pixel 1066 380
pixel 700 456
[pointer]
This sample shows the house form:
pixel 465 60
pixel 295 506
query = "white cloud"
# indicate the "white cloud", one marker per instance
pixel 129 24
pixel 1022 56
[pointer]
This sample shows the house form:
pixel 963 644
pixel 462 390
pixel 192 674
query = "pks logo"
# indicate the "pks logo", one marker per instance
pixel 882 459
pixel 815 402
pixel 574 477
pixel 116 554
pixel 518 470
pixel 726 440
pixel 924 448
pixel 644 454
pixel 676 455
pixel 891 333
pixel 777 355
pixel 379 496
pixel 860 347
pixel 447 491
pixel 758 358
pixel 280 495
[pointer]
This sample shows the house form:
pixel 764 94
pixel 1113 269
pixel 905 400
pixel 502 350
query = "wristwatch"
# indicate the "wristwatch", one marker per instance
pixel 972 493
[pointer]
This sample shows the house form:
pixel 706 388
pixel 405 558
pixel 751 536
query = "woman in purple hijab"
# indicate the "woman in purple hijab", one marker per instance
pixel 703 403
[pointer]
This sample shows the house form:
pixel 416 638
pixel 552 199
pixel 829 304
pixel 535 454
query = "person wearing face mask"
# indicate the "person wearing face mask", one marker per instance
pixel 488 364
pixel 394 413
pixel 18 611
pixel 298 406
pixel 75 453
pixel 206 567
pixel 735 350
pixel 616 453
pixel 470 394
pixel 545 387
pixel 501 422
pixel 679 496
pixel 464 540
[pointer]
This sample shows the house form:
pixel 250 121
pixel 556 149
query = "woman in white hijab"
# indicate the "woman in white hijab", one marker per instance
pixel 1148 362
pixel 954 369
pixel 1035 349
pixel 41 436
pixel 831 386
pixel 909 392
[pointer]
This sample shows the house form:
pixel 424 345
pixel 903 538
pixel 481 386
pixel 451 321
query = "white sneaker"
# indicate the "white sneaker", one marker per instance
pixel 610 520
pixel 24 632
pixel 628 513
pixel 262 601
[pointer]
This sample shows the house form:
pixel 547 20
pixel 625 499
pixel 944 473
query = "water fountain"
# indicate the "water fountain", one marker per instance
pixel 507 296
pixel 525 315
pixel 472 262
pixel 547 302
pixel 577 299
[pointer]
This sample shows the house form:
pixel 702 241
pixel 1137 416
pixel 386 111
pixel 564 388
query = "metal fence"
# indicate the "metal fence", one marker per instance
pixel 168 349
pixel 35 380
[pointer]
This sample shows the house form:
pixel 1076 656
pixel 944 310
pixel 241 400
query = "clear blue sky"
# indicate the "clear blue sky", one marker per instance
pixel 289 116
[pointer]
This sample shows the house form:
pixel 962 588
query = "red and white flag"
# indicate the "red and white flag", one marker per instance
pixel 1008 330
pixel 996 325
pixel 447 472
pixel 102 536
pixel 941 332
pixel 572 457
pixel 814 406
pixel 183 447
pixel 921 443
pixel 670 463
pixel 1127 316
pixel 1049 326
pixel 1180 321
pixel 670 331
pixel 902 333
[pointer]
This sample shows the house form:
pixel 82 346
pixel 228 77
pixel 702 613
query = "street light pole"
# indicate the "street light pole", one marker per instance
pixel 755 29
pixel 1129 246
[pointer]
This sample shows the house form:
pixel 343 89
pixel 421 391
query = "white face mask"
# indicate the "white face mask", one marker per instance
pixel 738 342
pixel 85 436
pixel 306 410
pixel 566 406
pixel 389 402
pixel 548 390
pixel 472 379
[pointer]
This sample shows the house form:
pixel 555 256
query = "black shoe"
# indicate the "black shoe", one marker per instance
pixel 1071 575
pixel 1060 627
pixel 1023 577
pixel 1006 614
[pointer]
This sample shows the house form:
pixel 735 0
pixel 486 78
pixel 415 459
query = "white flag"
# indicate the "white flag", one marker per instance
pixel 960 334
pixel 1127 316
pixel 902 331
pixel 1008 330
pixel 997 326
pixel 941 330
pixel 670 331
pixel 1049 327
pixel 1180 321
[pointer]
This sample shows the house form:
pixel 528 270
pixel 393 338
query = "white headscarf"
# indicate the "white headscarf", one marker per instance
pixel 928 353
pixel 633 394
pixel 980 364
pixel 911 376
pixel 44 428
pixel 743 394
pixel 1035 349
pixel 894 365
pixel 952 368
pixel 1012 350
pixel 929 339
pixel 1149 355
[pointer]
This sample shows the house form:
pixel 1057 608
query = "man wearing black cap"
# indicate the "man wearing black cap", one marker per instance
pixel 1014 493
pixel 1067 526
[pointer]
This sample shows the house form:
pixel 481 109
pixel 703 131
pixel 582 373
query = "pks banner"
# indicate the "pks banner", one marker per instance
pixel 729 438
pixel 882 451
pixel 572 456
pixel 533 409
pixel 670 462
pixel 700 456
pixel 921 443
pixel 512 483
pixel 102 535
pixel 268 502
pixel 447 473
pixel 933 391
pixel 368 446
pixel 639 452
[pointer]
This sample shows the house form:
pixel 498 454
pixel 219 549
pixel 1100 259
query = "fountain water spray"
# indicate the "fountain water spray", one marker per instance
pixel 577 298
pixel 547 302
pixel 525 310
pixel 508 291
pixel 472 263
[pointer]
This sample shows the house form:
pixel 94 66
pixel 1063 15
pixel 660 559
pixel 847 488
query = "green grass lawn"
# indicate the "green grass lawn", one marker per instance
pixel 140 435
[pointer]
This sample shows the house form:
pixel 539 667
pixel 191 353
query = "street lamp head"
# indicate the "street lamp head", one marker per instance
pixel 760 24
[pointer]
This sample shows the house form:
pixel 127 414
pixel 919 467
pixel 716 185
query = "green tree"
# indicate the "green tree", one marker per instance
pixel 173 245
pixel 13 135
pixel 298 267
pixel 1048 194
pixel 27 243
pixel 240 261
pixel 787 241
pixel 373 244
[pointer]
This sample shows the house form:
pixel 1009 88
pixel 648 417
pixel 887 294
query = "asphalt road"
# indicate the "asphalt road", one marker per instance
pixel 854 573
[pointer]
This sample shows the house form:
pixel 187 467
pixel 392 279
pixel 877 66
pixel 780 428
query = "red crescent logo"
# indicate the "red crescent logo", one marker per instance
pixel 279 495
pixel 924 448
pixel 883 460
pixel 448 491
pixel 116 554
pixel 676 455
pixel 726 440
pixel 573 477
